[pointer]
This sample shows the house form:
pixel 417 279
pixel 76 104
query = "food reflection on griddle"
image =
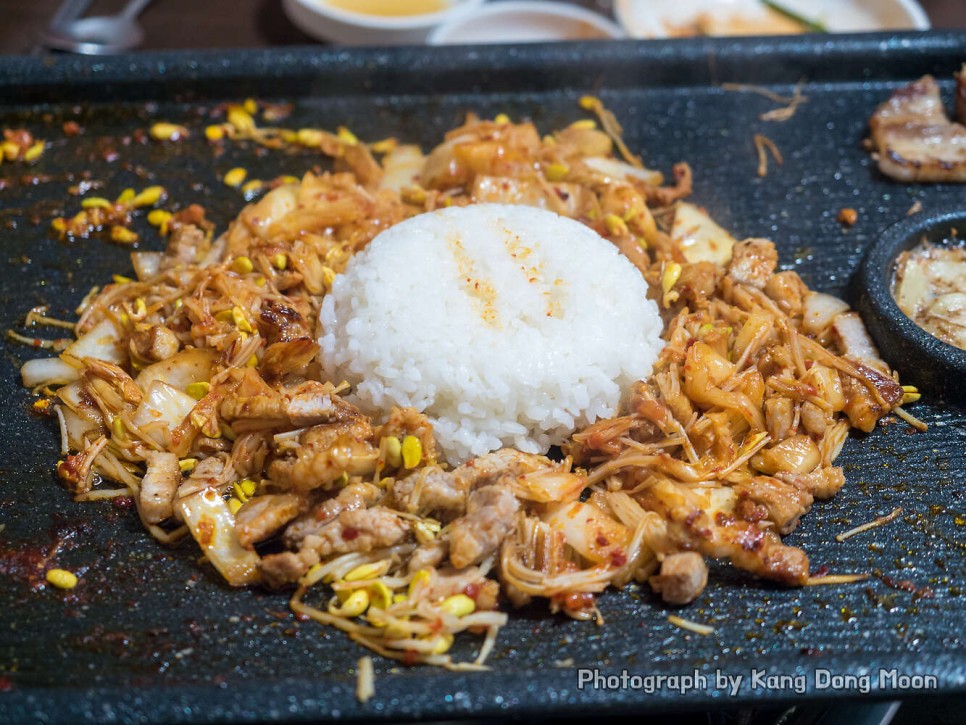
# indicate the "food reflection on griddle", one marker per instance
pixel 196 388
pixel 913 137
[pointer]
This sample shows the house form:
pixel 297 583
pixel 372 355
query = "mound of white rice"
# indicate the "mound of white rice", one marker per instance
pixel 506 325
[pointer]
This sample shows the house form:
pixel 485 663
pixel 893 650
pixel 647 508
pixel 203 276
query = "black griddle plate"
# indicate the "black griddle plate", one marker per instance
pixel 149 636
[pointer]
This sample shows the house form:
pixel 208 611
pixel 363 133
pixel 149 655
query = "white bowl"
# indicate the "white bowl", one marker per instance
pixel 656 18
pixel 325 22
pixel 524 22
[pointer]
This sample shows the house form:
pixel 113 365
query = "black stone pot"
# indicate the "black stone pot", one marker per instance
pixel 935 367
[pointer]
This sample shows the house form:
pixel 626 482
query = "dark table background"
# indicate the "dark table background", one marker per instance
pixel 254 23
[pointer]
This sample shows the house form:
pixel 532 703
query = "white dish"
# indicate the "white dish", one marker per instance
pixel 659 18
pixel 325 22
pixel 524 22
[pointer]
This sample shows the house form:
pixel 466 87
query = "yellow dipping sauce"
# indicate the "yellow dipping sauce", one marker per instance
pixel 390 8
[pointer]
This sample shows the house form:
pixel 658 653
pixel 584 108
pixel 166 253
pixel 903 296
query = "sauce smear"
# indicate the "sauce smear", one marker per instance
pixel 390 8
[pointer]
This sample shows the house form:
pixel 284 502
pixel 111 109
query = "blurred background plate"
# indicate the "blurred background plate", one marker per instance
pixel 677 18
pixel 373 22
pixel 524 22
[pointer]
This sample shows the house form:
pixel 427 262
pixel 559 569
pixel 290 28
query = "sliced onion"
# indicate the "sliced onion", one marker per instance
pixel 616 169
pixel 101 342
pixel 75 398
pixel 213 526
pixel 216 253
pixel 820 311
pixel 48 371
pixel 855 341
pixel 441 162
pixel 401 167
pixel 191 365
pixel 272 207
pixel 594 535
pixel 720 500
pixel 701 238
pixel 78 428
pixel 549 485
pixel 146 264
pixel 162 409
pixel 797 454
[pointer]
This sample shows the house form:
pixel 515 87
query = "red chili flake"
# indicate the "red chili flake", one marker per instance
pixel 349 533
pixel 574 601
pixel 821 571
pixel 751 539
pixel 618 559
pixel 723 519
pixel 905 586
pixel 601 540
pixel 71 128
pixel 472 590
pixel 125 503
pixel 6 684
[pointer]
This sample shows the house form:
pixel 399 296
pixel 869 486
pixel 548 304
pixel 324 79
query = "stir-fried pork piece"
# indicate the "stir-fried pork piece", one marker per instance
pixel 788 290
pixel 865 407
pixel 354 496
pixel 187 244
pixel 307 403
pixel 281 322
pixel 278 570
pixel 489 518
pixel 428 556
pixel 914 138
pixel 855 342
pixel 153 344
pixel 357 530
pixel 264 516
pixel 159 486
pixel 352 530
pixel 822 483
pixel 209 473
pixel 324 453
pixel 683 577
pixel 752 262
pixel 766 498
pixel 747 545
pixel 432 490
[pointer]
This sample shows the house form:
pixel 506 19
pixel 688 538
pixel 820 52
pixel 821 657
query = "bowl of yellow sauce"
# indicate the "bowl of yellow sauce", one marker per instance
pixel 373 22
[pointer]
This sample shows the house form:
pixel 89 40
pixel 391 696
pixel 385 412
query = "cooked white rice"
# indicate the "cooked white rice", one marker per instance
pixel 506 325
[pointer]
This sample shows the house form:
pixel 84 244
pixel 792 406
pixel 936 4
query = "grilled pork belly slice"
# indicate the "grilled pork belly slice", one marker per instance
pixel 914 138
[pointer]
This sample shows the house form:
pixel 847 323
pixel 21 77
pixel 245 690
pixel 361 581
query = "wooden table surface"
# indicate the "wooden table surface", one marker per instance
pixel 251 23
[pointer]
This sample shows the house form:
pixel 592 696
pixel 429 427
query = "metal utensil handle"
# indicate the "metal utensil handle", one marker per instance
pixel 133 8
pixel 68 11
